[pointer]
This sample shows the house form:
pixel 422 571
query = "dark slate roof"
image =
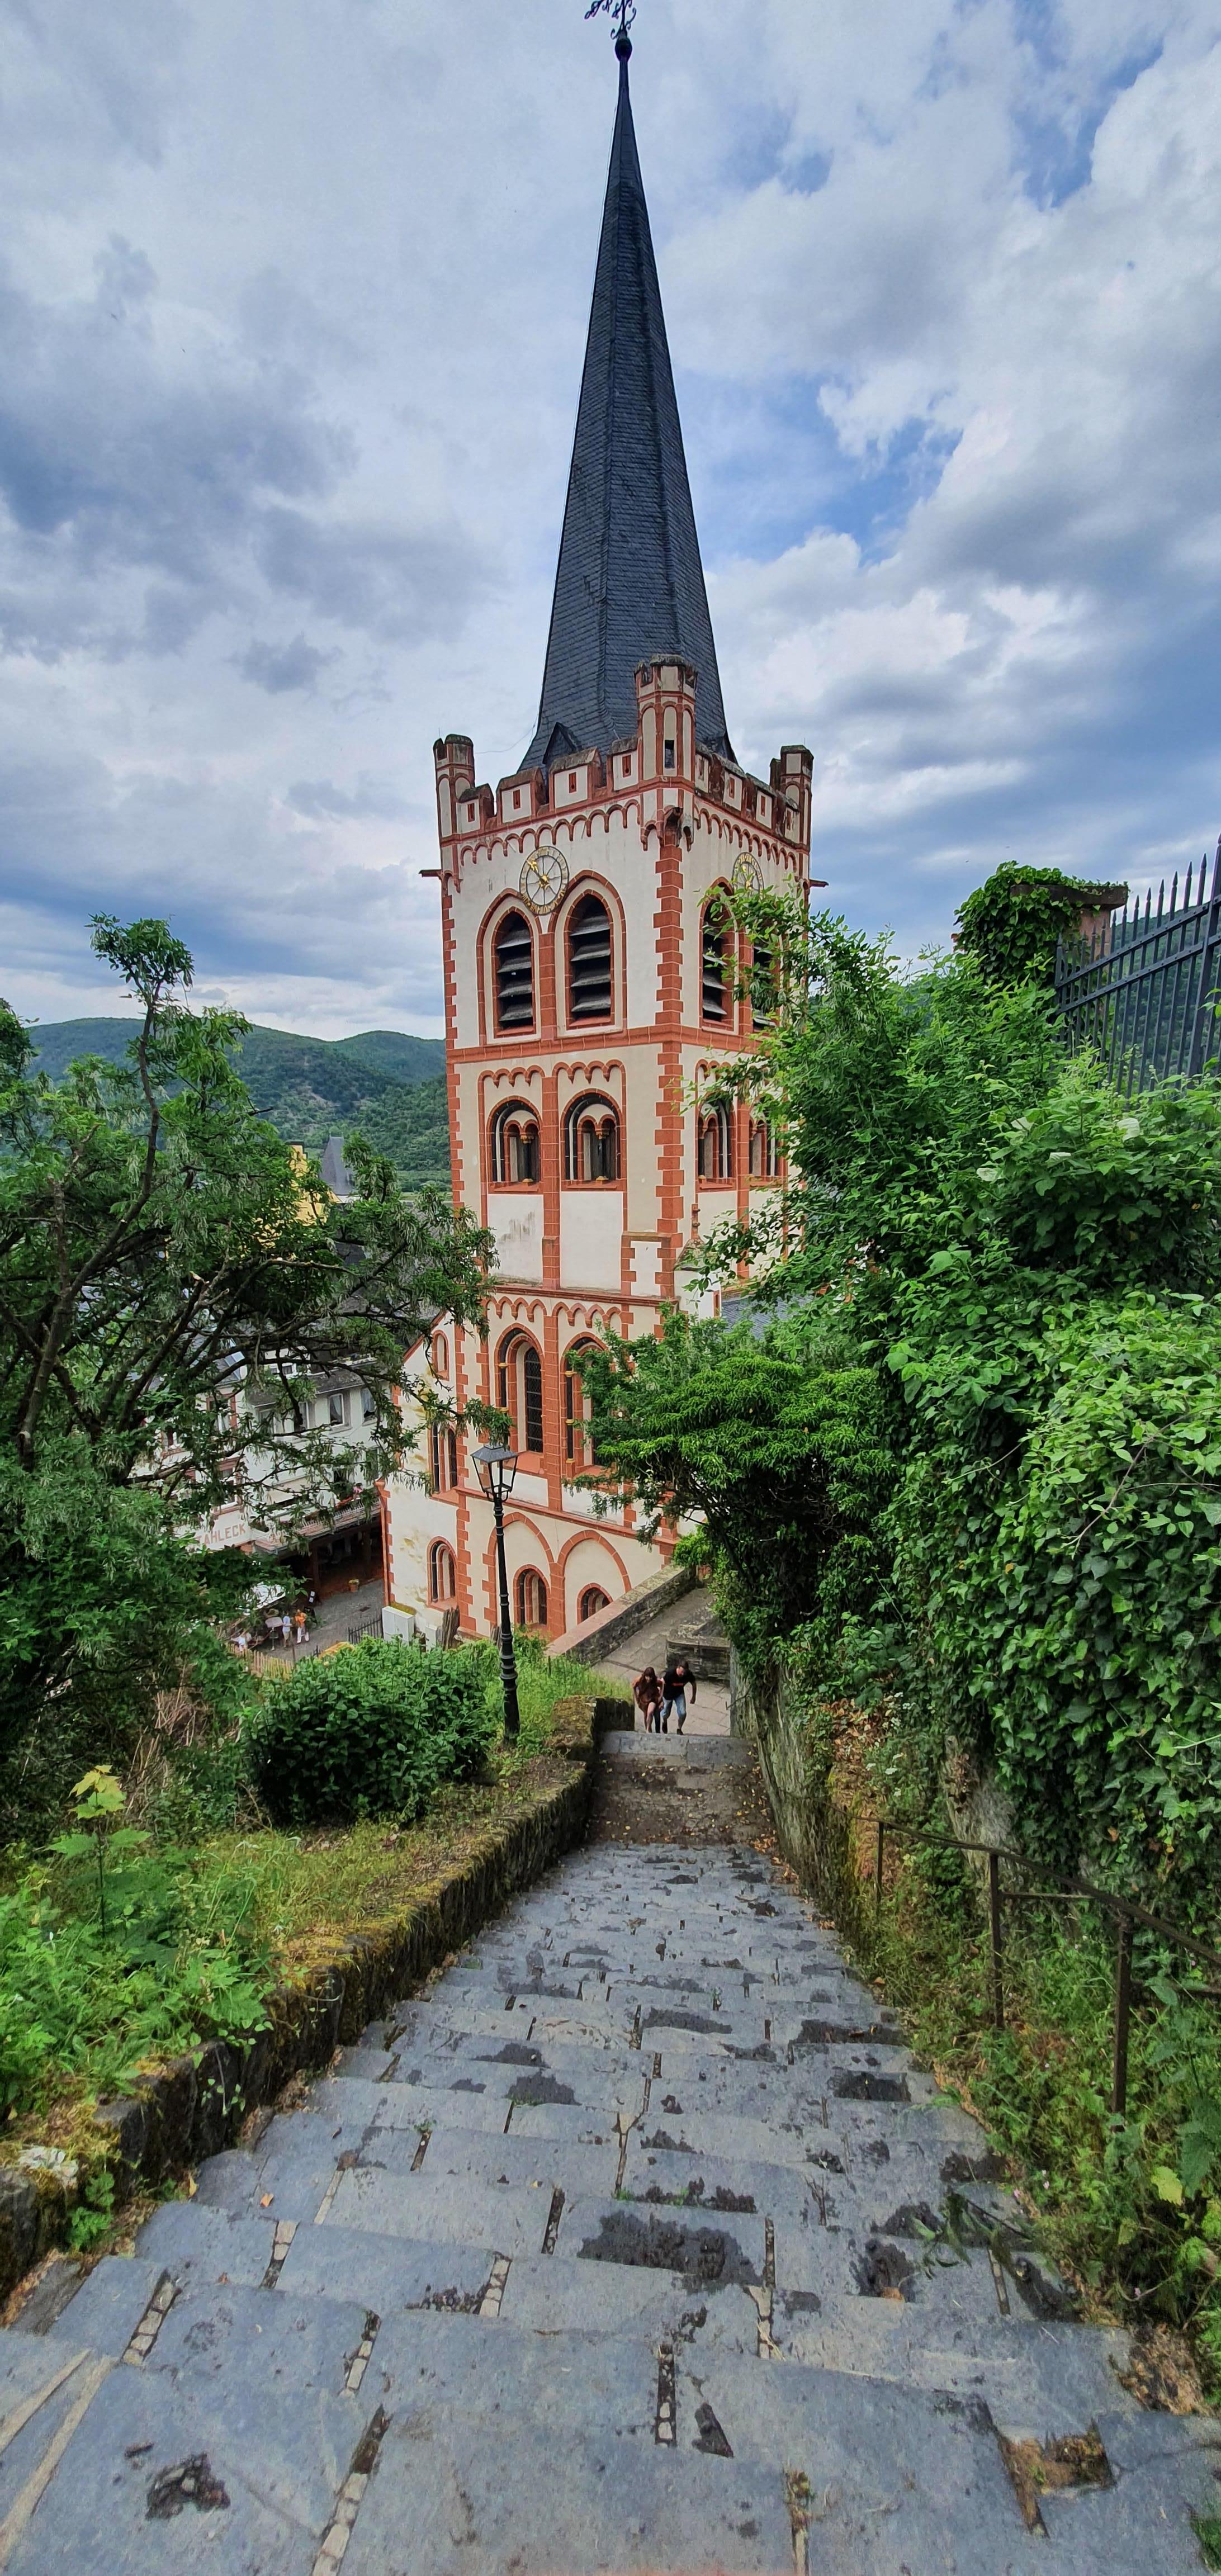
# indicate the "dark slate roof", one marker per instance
pixel 630 584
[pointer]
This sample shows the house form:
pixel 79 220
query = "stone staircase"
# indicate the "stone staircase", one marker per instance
pixel 635 2243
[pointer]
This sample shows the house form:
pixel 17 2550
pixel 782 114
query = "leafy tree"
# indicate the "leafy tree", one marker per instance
pixel 173 1282
pixel 1030 1265
pixel 778 1445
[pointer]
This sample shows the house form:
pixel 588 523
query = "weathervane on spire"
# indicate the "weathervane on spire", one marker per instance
pixel 623 10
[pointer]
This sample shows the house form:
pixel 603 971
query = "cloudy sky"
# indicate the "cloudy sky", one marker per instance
pixel 292 308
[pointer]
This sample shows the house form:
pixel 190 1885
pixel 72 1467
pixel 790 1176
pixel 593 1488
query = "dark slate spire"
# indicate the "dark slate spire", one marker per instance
pixel 630 584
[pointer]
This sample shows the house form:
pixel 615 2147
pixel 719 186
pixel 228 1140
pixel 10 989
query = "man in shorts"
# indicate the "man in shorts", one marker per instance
pixel 677 1688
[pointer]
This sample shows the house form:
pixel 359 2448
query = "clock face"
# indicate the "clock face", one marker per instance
pixel 543 879
pixel 747 875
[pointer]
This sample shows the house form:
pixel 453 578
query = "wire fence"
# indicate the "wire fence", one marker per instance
pixel 1144 988
pixel 1128 1916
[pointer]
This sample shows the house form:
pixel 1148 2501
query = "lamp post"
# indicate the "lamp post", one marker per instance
pixel 496 1469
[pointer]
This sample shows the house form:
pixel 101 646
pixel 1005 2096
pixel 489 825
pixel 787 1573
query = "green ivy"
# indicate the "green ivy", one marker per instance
pixel 1012 922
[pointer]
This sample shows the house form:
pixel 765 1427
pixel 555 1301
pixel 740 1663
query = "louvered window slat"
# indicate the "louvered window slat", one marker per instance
pixel 589 961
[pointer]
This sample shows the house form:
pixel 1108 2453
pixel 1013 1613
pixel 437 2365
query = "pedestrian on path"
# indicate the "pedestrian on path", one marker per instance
pixel 646 1691
pixel 678 1686
pixel 299 1625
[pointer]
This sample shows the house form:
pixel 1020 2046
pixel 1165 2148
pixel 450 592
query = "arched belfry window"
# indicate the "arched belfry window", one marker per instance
pixel 591 1140
pixel 589 960
pixel 515 1147
pixel 519 1391
pixel 714 992
pixel 716 1146
pixel 513 954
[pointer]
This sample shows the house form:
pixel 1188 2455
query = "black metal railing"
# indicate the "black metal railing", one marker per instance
pixel 1144 989
pixel 1127 1914
pixel 370 1626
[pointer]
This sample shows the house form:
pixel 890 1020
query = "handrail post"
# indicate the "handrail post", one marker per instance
pixel 994 1919
pixel 877 1874
pixel 1208 953
pixel 1123 2016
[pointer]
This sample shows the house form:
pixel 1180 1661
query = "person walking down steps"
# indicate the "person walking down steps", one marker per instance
pixel 646 1691
pixel 677 1689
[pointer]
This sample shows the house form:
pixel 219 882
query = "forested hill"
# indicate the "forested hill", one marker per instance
pixel 386 1082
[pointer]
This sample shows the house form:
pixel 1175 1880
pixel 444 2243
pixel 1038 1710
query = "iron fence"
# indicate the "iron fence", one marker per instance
pixel 1126 1914
pixel 1144 989
pixel 369 1626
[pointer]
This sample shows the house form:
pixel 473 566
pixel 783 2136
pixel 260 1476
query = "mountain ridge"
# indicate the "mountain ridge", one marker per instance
pixel 309 1088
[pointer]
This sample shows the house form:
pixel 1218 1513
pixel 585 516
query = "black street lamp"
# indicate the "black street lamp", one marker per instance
pixel 496 1469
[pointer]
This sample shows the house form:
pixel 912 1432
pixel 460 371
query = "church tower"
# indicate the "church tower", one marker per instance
pixel 589 990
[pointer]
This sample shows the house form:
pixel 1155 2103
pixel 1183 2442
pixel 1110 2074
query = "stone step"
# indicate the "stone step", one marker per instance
pixel 543 2164
pixel 515 2505
pixel 267 2467
pixel 329 2279
pixel 877 2476
pixel 512 2218
pixel 282 2339
pixel 635 2242
pixel 107 2308
pixel 442 2054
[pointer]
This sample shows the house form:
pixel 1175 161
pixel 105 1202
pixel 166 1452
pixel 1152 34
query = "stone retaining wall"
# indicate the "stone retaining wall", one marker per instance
pixel 195 2105
pixel 612 1627
pixel 814 1834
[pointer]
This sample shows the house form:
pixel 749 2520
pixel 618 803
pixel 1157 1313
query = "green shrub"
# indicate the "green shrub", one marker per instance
pixel 372 1731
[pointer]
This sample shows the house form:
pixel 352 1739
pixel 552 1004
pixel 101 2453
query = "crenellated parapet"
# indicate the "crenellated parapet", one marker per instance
pixel 662 774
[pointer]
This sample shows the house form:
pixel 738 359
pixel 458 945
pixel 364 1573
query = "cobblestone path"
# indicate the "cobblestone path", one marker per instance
pixel 635 2243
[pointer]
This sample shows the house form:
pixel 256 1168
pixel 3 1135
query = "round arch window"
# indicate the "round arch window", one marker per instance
pixel 442 1572
pixel 530 1599
pixel 578 1447
pixel 515 1145
pixel 591 1140
pixel 716 1146
pixel 519 1391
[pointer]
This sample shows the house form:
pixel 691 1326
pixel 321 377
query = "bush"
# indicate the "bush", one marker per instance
pixel 371 1731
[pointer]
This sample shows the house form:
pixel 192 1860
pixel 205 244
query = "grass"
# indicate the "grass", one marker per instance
pixel 307 1888
pixel 200 1931
pixel 1129 2209
pixel 1207 2528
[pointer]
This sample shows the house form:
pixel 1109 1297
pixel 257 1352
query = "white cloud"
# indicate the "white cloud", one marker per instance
pixel 290 339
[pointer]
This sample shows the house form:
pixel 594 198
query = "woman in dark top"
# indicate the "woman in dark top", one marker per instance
pixel 646 1691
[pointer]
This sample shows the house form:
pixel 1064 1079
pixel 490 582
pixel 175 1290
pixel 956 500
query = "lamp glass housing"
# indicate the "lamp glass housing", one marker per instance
pixel 496 1469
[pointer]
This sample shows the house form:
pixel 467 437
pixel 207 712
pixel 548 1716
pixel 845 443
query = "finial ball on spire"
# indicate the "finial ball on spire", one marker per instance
pixel 625 12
